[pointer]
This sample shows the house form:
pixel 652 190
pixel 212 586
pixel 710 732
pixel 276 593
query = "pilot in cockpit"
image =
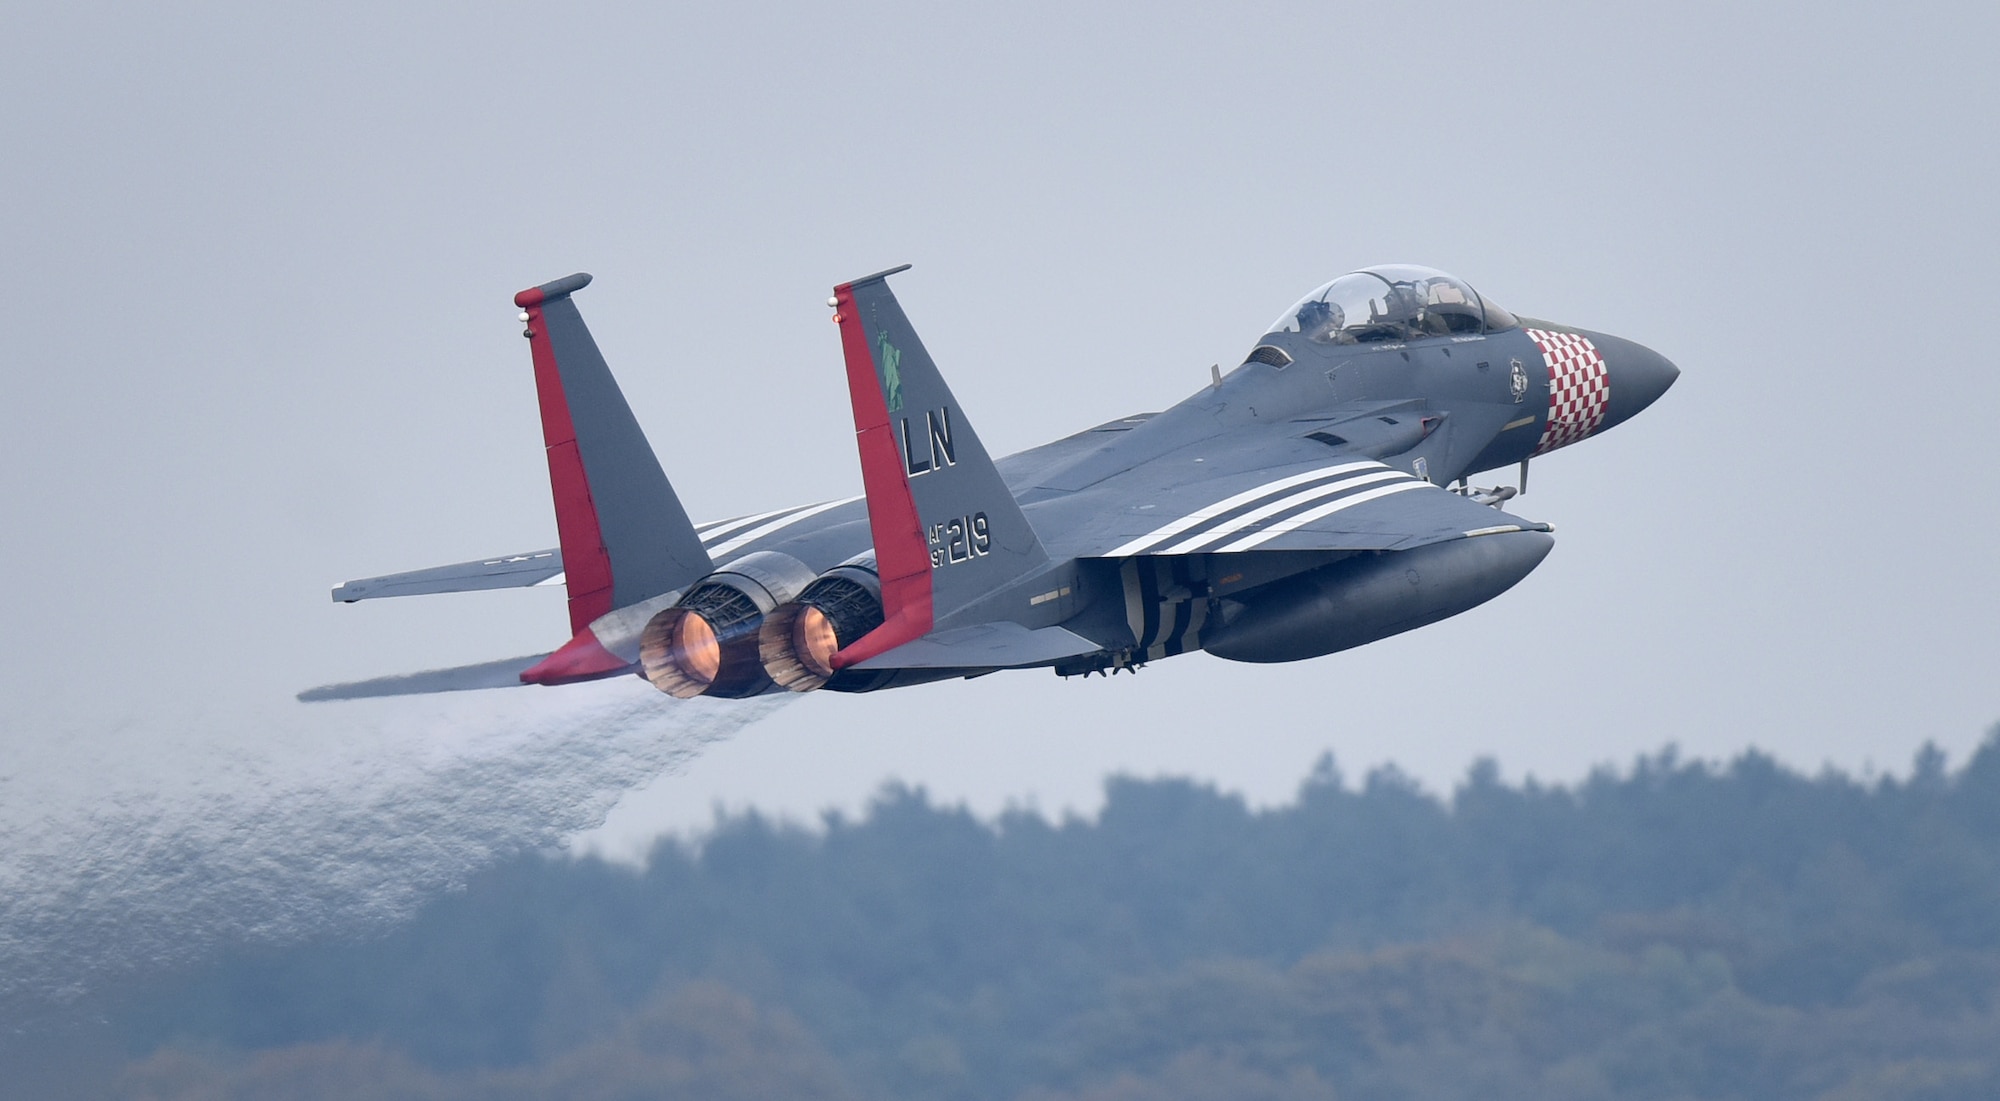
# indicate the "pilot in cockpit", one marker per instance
pixel 1401 306
pixel 1320 321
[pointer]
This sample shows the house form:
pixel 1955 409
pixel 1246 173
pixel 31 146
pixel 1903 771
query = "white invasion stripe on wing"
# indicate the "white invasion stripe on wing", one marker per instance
pixel 1204 515
pixel 558 579
pixel 757 533
pixel 1308 516
pixel 720 528
pixel 1282 504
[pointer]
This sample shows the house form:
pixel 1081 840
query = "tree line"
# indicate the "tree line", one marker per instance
pixel 1673 929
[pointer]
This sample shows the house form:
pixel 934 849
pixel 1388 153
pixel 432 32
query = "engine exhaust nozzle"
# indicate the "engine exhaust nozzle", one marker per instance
pixel 797 641
pixel 707 644
pixel 681 653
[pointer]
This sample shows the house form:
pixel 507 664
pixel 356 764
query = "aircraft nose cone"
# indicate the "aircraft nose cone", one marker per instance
pixel 1638 376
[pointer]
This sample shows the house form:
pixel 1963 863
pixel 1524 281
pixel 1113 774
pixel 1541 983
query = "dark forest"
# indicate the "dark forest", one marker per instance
pixel 1669 929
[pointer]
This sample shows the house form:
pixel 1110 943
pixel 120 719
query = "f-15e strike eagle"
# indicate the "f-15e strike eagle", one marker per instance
pixel 1311 500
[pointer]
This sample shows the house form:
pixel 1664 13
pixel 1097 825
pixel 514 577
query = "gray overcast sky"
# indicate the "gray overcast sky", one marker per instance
pixel 257 264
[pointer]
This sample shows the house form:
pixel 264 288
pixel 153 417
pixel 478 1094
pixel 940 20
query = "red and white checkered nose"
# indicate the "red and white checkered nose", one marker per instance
pixel 1579 388
pixel 1596 381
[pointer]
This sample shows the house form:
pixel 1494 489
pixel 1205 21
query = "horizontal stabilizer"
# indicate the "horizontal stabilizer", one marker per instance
pixel 1000 644
pixel 509 571
pixel 464 678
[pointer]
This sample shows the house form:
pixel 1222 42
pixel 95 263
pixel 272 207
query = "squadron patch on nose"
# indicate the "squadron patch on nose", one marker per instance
pixel 1579 388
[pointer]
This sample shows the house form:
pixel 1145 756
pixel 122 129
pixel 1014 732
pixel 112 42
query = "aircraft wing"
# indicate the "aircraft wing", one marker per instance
pixel 1341 504
pixel 508 571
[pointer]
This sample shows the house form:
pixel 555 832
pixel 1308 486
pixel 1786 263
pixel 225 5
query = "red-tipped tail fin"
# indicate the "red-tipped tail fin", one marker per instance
pixel 625 537
pixel 947 530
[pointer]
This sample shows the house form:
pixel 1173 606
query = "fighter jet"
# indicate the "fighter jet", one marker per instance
pixel 1312 499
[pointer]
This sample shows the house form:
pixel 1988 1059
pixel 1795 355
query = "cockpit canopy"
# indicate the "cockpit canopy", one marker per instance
pixel 1391 302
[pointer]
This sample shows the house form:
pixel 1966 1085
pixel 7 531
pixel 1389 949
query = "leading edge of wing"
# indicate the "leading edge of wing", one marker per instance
pixel 1347 504
pixel 507 571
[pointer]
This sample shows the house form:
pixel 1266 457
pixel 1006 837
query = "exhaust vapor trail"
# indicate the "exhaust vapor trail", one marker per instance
pixel 147 844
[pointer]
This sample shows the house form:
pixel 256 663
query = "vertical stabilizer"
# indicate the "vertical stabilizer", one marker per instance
pixel 625 537
pixel 947 529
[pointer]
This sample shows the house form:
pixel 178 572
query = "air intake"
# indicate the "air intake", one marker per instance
pixel 1267 354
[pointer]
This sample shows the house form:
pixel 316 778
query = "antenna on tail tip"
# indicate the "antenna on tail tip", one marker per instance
pixel 557 288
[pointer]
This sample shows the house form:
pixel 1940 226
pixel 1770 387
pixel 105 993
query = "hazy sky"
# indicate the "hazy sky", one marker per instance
pixel 257 264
